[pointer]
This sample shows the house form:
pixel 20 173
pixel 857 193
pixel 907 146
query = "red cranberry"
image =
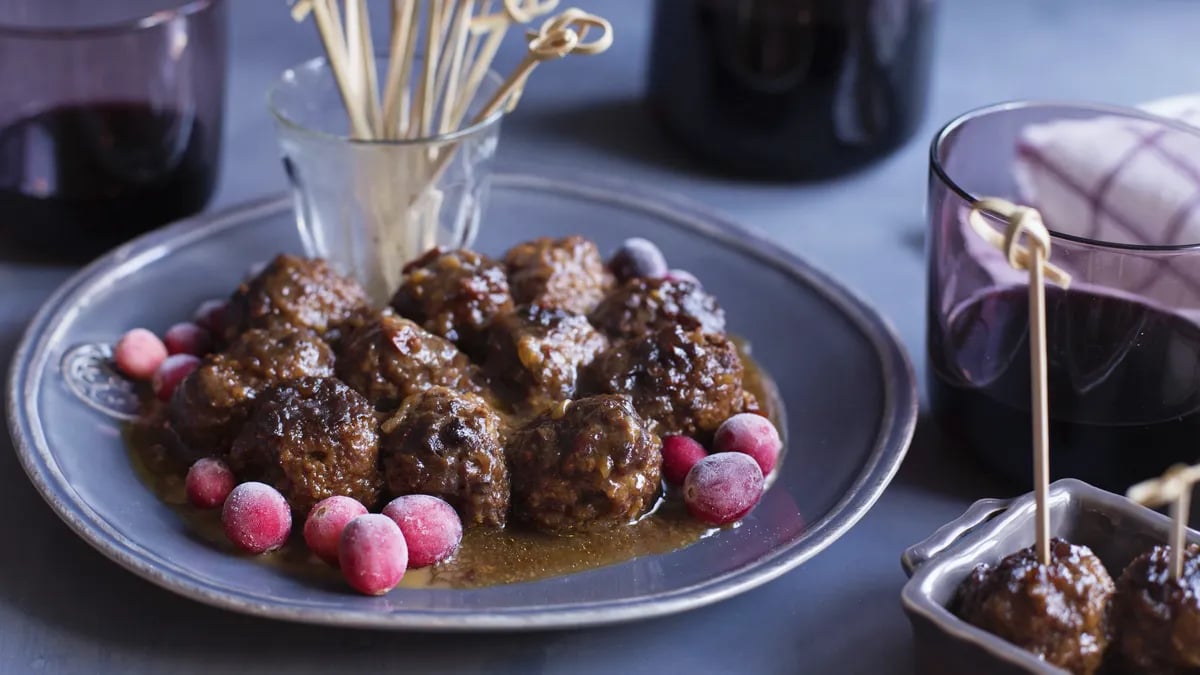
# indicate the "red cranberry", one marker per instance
pixel 139 353
pixel 187 338
pixel 210 315
pixel 209 482
pixel 256 517
pixel 638 257
pixel 323 528
pixel 752 435
pixel 171 373
pixel 431 528
pixel 723 487
pixel 373 554
pixel 680 454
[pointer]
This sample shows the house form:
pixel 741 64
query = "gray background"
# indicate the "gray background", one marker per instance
pixel 65 609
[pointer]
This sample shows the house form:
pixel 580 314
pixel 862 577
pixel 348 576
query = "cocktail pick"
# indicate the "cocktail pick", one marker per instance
pixel 1022 220
pixel 1175 488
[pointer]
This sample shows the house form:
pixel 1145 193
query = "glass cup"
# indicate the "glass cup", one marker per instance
pixel 1118 190
pixel 371 206
pixel 110 118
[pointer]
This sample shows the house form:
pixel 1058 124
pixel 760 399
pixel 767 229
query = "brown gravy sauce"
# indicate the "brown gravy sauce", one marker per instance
pixel 486 557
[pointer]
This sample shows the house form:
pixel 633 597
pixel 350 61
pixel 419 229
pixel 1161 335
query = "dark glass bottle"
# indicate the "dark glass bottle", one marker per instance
pixel 790 88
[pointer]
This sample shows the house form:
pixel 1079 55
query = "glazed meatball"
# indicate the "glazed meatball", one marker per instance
pixel 448 444
pixel 390 358
pixel 1058 612
pixel 535 355
pixel 1157 619
pixel 298 292
pixel 643 306
pixel 566 274
pixel 209 407
pixel 311 438
pixel 587 464
pixel 454 294
pixel 681 381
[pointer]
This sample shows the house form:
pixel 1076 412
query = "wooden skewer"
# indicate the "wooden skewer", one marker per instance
pixel 423 106
pixel 1175 488
pixel 1026 221
pixel 403 17
pixel 336 49
pixel 449 77
pixel 367 49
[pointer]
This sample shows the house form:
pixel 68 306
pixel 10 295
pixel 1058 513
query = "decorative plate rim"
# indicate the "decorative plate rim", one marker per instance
pixel 896 428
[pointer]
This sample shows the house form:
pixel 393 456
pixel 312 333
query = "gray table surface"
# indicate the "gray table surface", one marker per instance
pixel 65 609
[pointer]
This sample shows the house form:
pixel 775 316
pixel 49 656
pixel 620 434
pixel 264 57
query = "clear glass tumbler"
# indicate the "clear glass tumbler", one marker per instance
pixel 110 118
pixel 1119 191
pixel 371 206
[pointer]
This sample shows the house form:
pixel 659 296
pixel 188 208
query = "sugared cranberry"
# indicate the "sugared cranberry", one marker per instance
pixel 680 454
pixel 723 487
pixel 171 372
pixel 323 528
pixel 431 528
pixel 372 554
pixel 752 435
pixel 210 315
pixel 209 482
pixel 139 353
pixel 256 517
pixel 636 258
pixel 683 275
pixel 187 338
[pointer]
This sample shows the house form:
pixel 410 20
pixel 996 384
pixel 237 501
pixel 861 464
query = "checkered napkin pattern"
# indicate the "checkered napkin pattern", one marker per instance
pixel 1116 180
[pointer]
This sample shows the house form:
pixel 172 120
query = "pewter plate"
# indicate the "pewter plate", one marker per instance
pixel 846 383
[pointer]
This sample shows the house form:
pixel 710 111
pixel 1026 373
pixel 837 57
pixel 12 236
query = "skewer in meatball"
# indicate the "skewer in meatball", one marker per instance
pixel 1157 619
pixel 1058 611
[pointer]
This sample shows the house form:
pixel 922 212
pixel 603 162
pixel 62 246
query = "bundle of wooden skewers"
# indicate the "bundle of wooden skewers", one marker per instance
pixel 435 82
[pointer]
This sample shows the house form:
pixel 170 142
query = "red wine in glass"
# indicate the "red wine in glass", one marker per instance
pixel 1124 380
pixel 82 178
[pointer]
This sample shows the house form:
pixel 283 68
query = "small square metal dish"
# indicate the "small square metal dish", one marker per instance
pixel 1116 529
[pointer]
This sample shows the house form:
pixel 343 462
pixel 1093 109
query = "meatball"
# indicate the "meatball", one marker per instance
pixel 311 438
pixel 682 381
pixel 643 306
pixel 587 464
pixel 448 444
pixel 295 291
pixel 454 294
pixel 209 407
pixel 535 354
pixel 1157 619
pixel 390 358
pixel 1058 611
pixel 566 274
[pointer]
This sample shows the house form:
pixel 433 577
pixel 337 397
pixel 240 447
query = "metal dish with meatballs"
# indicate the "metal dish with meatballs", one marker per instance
pixel 501 420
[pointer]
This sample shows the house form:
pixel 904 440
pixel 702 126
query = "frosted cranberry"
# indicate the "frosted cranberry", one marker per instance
pixel 209 482
pixel 187 338
pixel 323 528
pixel 210 315
pixel 683 275
pixel 373 554
pixel 171 373
pixel 680 454
pixel 139 353
pixel 752 435
pixel 431 528
pixel 722 487
pixel 638 257
pixel 256 517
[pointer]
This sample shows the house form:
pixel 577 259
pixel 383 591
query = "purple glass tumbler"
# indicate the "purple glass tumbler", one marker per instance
pixel 110 118
pixel 1119 190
